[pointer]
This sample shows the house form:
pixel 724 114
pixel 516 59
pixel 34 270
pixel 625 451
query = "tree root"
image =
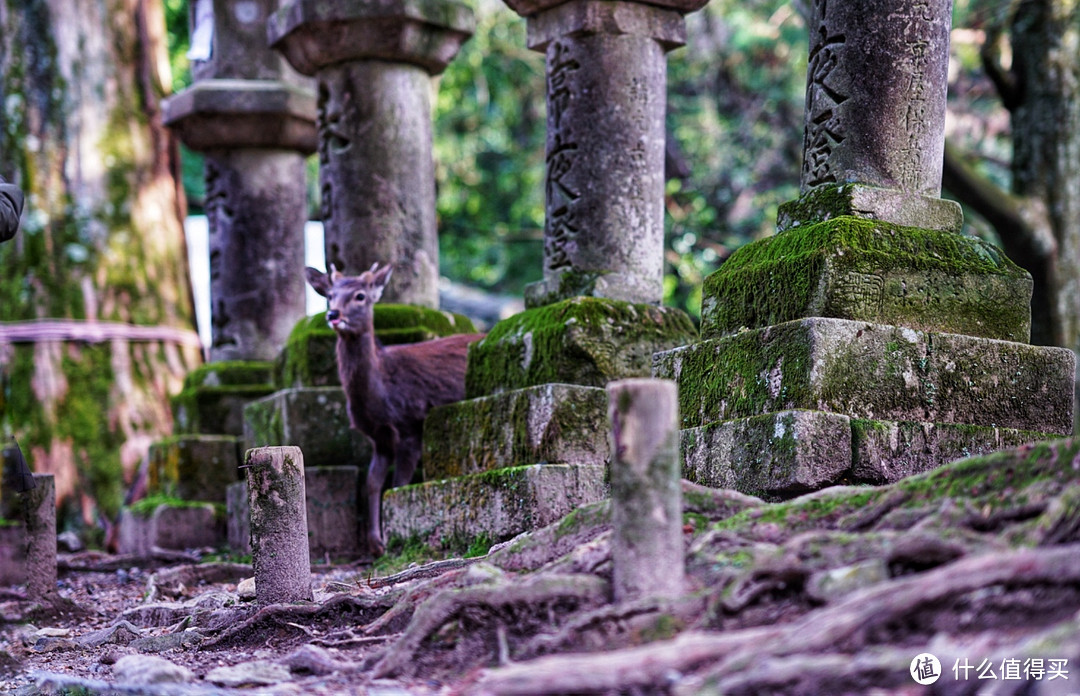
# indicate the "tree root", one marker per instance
pixel 399 659
pixel 173 582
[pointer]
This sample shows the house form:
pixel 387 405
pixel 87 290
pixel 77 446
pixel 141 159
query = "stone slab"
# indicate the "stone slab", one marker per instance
pixel 12 555
pixel 551 423
pixel 499 504
pixel 313 34
pixel 606 17
pixel 243 113
pixel 238 518
pixel 309 358
pixel 214 395
pixel 194 467
pixel 772 456
pixel 584 340
pixel 332 511
pixel 873 371
pixel 315 419
pixel 850 268
pixel 170 527
pixel 871 203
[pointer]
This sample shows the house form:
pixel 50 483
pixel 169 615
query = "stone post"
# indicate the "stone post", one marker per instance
pixel 646 498
pixel 374 63
pixel 254 119
pixel 279 537
pixel 875 113
pixel 40 515
pixel 606 98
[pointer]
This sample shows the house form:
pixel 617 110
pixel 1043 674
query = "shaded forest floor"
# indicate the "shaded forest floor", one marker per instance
pixel 835 592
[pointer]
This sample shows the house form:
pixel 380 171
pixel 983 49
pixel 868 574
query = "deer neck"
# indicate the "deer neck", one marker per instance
pixel 360 359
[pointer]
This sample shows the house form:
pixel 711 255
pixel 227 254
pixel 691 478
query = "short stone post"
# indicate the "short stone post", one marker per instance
pixel 254 119
pixel 875 113
pixel 374 63
pixel 646 497
pixel 40 516
pixel 279 537
pixel 606 98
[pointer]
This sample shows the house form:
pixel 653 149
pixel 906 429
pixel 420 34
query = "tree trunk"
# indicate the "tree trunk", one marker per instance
pixel 101 243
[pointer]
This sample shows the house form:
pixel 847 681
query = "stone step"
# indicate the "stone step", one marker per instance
pixel 171 527
pixel 315 419
pixel 498 504
pixel 214 395
pixel 780 455
pixel 873 371
pixel 867 270
pixel 550 423
pixel 194 467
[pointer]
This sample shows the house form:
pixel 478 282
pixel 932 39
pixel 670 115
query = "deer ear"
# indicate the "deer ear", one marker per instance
pixel 379 280
pixel 335 274
pixel 318 280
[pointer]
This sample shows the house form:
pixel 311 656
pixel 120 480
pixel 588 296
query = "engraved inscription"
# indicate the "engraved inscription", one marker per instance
pixel 562 196
pixel 857 294
pixel 824 127
pixel 917 25
pixel 219 219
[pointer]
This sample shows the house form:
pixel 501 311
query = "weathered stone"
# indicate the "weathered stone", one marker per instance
pixel 887 451
pixel 12 555
pixel 213 114
pixel 585 341
pixel 309 358
pixel 313 34
pixel 194 467
pixel 279 541
pixel 875 96
pixel 215 394
pixel 646 499
pixel 238 518
pixel 530 8
pixel 606 17
pixel 332 511
pixel 838 583
pixel 147 669
pixel 313 419
pixel 254 673
pixel 873 371
pixel 498 504
pixel 237 45
pixel 873 203
pixel 849 268
pixel 190 526
pixel 120 633
pixel 773 456
pixel 40 515
pixel 550 423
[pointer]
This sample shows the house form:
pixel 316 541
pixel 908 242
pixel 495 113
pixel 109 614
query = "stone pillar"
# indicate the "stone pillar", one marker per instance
pixel 647 554
pixel 606 98
pixel 40 515
pixel 279 536
pixel 374 64
pixel 254 119
pixel 875 112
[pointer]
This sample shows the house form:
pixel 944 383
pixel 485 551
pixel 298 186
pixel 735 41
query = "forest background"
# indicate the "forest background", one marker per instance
pixel 108 244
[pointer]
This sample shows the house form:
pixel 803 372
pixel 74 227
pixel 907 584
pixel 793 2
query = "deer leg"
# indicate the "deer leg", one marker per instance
pixel 377 470
pixel 405 460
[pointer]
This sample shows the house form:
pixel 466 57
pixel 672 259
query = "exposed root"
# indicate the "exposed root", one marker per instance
pixel 428 570
pixel 534 591
pixel 174 582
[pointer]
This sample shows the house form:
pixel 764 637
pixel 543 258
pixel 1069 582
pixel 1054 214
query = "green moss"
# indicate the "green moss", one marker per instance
pixel 145 508
pixel 848 267
pixel 583 340
pixel 230 373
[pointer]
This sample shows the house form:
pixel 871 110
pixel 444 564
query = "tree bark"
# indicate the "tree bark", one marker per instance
pixel 101 240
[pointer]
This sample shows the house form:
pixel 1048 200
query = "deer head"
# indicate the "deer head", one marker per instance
pixel 350 298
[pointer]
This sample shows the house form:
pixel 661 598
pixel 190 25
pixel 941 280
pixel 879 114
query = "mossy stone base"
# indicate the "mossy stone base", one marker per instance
pixel 214 395
pixel 12 555
pixel 584 340
pixel 551 423
pixel 194 467
pixel 172 527
pixel 850 268
pixel 309 358
pixel 777 455
pixel 314 419
pixel 499 504
pixel 333 519
pixel 870 202
pixel 780 455
pixel 873 371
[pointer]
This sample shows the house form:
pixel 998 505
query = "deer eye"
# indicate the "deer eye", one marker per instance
pixel 360 297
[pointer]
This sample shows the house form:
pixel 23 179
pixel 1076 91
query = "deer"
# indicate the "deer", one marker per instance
pixel 389 390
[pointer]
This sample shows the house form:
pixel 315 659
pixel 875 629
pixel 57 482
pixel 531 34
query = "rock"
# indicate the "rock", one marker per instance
pixel 147 669
pixel 256 673
pixel 246 589
pixel 69 542
pixel 170 641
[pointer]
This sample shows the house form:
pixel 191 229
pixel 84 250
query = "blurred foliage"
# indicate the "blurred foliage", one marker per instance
pixel 734 124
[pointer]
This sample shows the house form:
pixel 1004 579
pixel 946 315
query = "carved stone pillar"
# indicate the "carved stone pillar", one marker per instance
pixel 254 119
pixel 606 97
pixel 373 63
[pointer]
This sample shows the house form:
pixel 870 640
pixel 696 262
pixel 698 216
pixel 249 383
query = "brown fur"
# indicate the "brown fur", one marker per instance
pixel 389 390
